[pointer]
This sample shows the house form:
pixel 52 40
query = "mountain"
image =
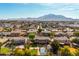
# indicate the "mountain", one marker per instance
pixel 50 17
pixel 53 17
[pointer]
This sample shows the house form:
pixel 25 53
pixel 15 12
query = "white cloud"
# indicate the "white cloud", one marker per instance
pixel 47 4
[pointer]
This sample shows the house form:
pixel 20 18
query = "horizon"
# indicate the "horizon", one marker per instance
pixel 34 10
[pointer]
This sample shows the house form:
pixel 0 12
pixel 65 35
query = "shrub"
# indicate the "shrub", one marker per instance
pixel 5 51
pixel 19 52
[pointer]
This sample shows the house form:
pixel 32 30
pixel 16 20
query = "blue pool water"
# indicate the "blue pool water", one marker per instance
pixel 42 51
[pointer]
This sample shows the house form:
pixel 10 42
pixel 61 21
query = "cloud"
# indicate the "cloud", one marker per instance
pixel 46 4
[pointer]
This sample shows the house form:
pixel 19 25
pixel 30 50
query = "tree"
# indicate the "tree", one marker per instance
pixel 75 41
pixel 77 52
pixel 52 34
pixel 28 52
pixel 26 46
pixel 76 33
pixel 8 29
pixel 55 46
pixel 0 46
pixel 31 36
pixel 12 45
pixel 65 51
pixel 39 30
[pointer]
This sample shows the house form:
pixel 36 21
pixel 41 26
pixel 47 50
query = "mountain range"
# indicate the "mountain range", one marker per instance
pixel 49 17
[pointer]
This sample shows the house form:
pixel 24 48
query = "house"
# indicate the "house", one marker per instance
pixel 15 33
pixel 45 33
pixel 18 40
pixel 63 40
pixel 1 29
pixel 69 34
pixel 8 25
pixel 4 39
pixel 59 34
pixel 68 30
pixel 5 33
pixel 54 30
pixel 32 31
pixel 41 40
pixel 20 46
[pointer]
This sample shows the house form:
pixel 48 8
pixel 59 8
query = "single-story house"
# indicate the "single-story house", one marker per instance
pixel 18 40
pixel 59 34
pixel 46 33
pixel 42 40
pixel 63 40
pixel 32 31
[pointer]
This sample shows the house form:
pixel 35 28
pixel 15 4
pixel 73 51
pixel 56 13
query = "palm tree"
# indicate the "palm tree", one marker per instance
pixel 55 46
pixel 12 45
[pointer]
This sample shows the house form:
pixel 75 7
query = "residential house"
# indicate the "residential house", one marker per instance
pixel 41 40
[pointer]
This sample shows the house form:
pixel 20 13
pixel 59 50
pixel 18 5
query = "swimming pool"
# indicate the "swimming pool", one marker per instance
pixel 43 51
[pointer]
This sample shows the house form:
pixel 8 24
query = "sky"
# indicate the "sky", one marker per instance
pixel 24 10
